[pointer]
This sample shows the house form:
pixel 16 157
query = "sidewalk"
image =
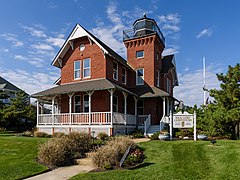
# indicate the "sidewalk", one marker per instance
pixel 63 173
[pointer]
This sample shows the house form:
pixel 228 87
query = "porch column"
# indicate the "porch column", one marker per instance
pixel 70 95
pixel 136 119
pixel 42 108
pixel 170 125
pixel 37 112
pixel 164 112
pixel 111 91
pixel 125 106
pixel 90 105
pixel 53 98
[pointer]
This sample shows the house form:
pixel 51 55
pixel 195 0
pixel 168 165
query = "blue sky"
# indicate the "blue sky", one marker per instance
pixel 32 32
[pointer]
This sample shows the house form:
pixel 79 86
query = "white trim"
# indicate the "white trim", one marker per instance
pixel 116 71
pixel 74 70
pixel 87 68
pixel 77 32
pixel 158 79
pixel 139 76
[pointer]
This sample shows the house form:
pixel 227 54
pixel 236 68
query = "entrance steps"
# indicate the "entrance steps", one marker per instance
pixel 152 129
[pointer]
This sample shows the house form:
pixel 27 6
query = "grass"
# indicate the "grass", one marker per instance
pixel 17 156
pixel 181 160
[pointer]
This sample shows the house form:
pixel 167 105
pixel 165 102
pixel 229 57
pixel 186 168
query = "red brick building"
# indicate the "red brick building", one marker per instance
pixel 102 92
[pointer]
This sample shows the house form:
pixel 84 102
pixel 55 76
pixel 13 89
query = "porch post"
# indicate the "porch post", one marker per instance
pixel 37 112
pixel 90 105
pixel 53 98
pixel 170 125
pixel 111 91
pixel 70 106
pixel 125 106
pixel 135 106
pixel 42 108
pixel 164 112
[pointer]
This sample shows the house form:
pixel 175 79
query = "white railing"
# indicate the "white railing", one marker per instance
pixel 119 118
pixel 141 119
pixel 100 118
pixel 165 119
pixel 147 123
pixel 131 119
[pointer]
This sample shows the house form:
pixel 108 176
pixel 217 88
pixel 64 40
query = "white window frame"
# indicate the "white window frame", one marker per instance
pixel 139 76
pixel 124 75
pixel 77 69
pixel 115 71
pixel 86 68
pixel 157 78
pixel 115 104
pixel 84 102
pixel 77 104
pixel 140 56
pixel 168 85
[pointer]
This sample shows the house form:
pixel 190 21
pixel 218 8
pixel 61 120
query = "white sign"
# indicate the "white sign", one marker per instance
pixel 183 120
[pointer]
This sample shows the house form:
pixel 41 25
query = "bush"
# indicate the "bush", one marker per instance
pixel 110 154
pixel 40 134
pixel 136 134
pixel 102 135
pixel 155 136
pixel 80 143
pixel 27 133
pixel 58 134
pixel 135 156
pixel 56 152
pixel 2 129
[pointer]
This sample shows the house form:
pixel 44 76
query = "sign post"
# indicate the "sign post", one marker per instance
pixel 171 125
pixel 185 120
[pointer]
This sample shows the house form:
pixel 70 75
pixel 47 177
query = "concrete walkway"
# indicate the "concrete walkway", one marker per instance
pixel 63 173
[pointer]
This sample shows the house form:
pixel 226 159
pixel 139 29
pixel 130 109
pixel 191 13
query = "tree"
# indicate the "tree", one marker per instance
pixel 226 105
pixel 19 112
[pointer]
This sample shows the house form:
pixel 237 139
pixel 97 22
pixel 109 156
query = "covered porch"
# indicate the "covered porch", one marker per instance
pixel 98 103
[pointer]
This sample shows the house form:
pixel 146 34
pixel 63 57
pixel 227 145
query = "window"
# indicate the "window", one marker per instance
pixel 140 77
pixel 124 81
pixel 81 47
pixel 115 104
pixel 85 103
pixel 115 71
pixel 139 54
pixel 157 78
pixel 77 69
pixel 86 68
pixel 140 107
pixel 77 104
pixel 168 86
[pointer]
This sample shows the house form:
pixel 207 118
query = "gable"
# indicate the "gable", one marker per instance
pixel 4 84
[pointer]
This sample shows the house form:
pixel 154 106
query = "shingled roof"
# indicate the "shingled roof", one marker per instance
pixel 167 63
pixel 147 92
pixel 99 84
pixel 4 84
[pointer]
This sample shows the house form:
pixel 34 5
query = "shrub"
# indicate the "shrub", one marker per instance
pixel 2 129
pixel 56 152
pixel 58 134
pixel 155 136
pixel 40 134
pixel 110 154
pixel 27 133
pixel 135 156
pixel 136 134
pixel 80 143
pixel 102 135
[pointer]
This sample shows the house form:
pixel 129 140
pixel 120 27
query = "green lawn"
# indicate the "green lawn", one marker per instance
pixel 17 157
pixel 181 160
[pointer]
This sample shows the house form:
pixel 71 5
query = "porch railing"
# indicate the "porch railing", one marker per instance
pixel 147 124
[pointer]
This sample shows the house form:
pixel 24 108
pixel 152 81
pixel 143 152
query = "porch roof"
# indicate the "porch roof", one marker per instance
pixel 99 84
pixel 147 92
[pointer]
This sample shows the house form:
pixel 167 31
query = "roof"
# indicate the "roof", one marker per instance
pixel 168 64
pixel 4 84
pixel 79 31
pixel 147 91
pixel 84 86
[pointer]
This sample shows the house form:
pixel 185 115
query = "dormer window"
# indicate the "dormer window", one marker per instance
pixel 139 54
pixel 140 76
pixel 115 71
pixel 77 69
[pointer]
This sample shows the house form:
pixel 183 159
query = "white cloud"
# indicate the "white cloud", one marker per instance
pixel 112 14
pixel 56 41
pixel 12 38
pixel 172 49
pixel 19 57
pixel 34 32
pixel 205 33
pixel 190 88
pixel 30 82
pixel 44 47
pixel 170 18
pixel 173 28
pixel 4 50
pixel 53 6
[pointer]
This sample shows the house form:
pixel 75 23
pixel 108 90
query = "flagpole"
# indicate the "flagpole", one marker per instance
pixel 204 81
